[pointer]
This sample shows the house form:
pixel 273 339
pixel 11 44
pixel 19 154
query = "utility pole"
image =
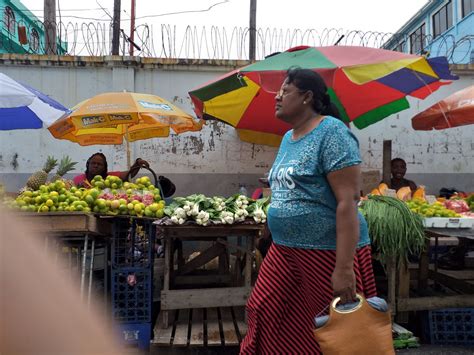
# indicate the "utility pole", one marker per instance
pixel 253 29
pixel 132 27
pixel 116 28
pixel 49 10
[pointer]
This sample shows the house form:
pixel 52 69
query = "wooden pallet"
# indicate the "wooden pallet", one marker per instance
pixel 224 326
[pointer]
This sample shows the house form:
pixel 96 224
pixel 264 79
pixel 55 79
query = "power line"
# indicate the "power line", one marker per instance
pixel 184 12
pixel 103 9
pixel 137 18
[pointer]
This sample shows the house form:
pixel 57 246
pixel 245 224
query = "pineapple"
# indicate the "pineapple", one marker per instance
pixel 65 166
pixel 23 189
pixel 39 178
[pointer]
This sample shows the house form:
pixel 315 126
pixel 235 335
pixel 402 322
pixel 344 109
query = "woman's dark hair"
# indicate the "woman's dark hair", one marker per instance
pixel 104 173
pixel 331 110
pixel 309 80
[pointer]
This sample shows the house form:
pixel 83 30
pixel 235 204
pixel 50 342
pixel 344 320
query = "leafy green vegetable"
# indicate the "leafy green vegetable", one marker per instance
pixel 395 231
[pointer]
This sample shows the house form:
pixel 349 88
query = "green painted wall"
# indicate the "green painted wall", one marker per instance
pixel 9 40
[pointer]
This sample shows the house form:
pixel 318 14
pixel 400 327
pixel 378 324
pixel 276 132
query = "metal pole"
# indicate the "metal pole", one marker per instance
pixel 129 161
pixel 83 267
pixel 252 29
pixel 132 27
pixel 116 28
pixel 91 273
pixel 49 22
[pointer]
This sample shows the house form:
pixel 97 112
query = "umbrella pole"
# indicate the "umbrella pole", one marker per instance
pixel 387 162
pixel 128 148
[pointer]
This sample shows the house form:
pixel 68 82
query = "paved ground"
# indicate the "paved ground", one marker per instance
pixel 425 350
pixel 438 350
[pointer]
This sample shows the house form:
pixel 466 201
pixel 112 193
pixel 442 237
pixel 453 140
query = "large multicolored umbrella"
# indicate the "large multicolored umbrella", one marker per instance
pixel 110 117
pixel 454 111
pixel 22 107
pixel 366 84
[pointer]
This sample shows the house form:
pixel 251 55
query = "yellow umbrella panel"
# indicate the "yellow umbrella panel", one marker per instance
pixel 108 118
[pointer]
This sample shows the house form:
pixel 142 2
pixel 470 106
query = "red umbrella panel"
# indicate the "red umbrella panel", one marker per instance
pixel 454 111
pixel 366 84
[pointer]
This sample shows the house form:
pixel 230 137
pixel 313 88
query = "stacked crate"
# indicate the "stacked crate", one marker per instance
pixel 132 278
pixel 452 326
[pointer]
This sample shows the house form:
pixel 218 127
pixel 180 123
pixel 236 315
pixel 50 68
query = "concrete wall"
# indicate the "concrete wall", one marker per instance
pixel 213 161
pixel 435 159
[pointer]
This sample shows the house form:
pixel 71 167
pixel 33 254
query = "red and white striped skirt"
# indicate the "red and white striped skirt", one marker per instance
pixel 293 287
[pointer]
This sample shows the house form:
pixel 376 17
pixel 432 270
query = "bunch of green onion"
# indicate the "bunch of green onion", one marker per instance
pixel 395 231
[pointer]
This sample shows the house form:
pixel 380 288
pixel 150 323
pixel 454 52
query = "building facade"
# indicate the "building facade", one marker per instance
pixel 22 32
pixel 440 28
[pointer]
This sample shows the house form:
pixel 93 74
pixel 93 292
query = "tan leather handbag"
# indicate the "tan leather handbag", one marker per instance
pixel 362 330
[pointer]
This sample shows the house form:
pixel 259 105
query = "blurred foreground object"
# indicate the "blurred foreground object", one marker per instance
pixel 41 311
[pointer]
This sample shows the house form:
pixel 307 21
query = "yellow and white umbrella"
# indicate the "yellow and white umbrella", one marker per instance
pixel 110 117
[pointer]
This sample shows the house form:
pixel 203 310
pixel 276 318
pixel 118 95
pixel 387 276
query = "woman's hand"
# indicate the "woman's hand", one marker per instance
pixel 139 163
pixel 344 284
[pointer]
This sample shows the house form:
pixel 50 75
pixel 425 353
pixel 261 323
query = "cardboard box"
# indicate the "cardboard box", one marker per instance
pixel 370 180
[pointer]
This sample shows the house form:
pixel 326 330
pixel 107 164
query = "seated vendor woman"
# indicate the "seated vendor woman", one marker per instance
pixel 399 169
pixel 97 165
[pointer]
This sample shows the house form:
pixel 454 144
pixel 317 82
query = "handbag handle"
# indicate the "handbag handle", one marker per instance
pixel 336 300
pixel 157 181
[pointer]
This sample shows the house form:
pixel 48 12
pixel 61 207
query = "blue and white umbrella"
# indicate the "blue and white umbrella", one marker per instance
pixel 22 107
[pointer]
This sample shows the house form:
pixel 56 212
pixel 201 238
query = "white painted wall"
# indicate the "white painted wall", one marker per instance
pixel 214 150
pixel 444 151
pixel 437 157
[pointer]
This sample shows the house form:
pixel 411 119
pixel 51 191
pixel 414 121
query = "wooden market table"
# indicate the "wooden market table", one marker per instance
pixel 198 297
pixel 400 295
pixel 72 226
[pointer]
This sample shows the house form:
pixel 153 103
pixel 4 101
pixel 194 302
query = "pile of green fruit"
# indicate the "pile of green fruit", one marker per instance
pixel 110 196
pixel 435 209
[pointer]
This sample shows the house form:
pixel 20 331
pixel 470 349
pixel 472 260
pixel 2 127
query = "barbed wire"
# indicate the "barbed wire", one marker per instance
pixel 219 43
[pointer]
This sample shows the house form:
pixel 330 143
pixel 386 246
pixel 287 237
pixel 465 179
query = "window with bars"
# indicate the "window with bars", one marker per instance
pixel 417 39
pixel 9 19
pixel 34 40
pixel 467 7
pixel 401 47
pixel 443 19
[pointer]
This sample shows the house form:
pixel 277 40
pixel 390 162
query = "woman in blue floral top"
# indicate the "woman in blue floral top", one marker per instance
pixel 321 247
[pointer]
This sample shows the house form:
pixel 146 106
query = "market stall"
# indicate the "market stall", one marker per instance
pixel 82 228
pixel 464 288
pixel 198 296
pixel 134 213
pixel 121 215
pixel 406 227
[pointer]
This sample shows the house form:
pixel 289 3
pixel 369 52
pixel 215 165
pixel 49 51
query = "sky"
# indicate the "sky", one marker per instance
pixel 365 15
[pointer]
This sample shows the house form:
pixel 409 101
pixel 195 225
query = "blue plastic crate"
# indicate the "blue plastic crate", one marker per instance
pixel 133 242
pixel 452 326
pixel 135 334
pixel 132 295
